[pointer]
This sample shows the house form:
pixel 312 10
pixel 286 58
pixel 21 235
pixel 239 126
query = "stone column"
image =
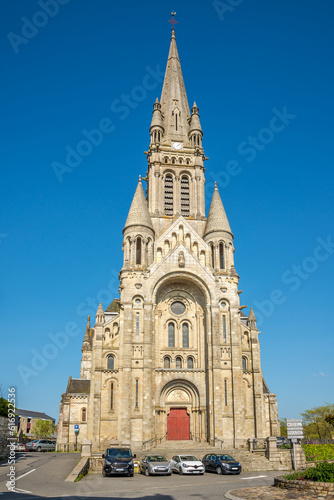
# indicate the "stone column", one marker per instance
pixel 86 448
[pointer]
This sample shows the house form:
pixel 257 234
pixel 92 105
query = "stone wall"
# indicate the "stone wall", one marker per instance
pixel 3 436
pixel 309 486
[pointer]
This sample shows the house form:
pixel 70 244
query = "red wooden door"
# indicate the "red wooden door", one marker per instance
pixel 178 424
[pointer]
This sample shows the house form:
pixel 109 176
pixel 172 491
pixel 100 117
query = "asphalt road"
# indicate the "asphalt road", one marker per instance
pixel 42 475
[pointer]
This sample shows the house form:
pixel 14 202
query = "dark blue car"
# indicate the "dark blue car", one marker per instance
pixel 222 464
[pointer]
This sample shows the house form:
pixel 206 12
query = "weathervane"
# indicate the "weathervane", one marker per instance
pixel 172 21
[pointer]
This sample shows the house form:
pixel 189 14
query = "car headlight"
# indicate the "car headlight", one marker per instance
pixel 184 465
pixel 225 465
pixel 108 462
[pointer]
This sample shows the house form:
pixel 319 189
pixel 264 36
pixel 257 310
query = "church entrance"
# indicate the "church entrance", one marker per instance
pixel 178 425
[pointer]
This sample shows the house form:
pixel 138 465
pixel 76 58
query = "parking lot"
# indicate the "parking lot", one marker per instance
pixel 43 475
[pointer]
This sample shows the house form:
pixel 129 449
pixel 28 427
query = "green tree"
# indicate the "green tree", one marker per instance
pixel 283 426
pixel 43 428
pixel 3 407
pixel 330 419
pixel 316 425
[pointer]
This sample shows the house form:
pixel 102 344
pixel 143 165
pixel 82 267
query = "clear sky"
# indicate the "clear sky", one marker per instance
pixel 262 76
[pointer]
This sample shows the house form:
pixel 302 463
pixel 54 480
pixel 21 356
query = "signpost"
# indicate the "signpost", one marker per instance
pixel 295 433
pixel 76 431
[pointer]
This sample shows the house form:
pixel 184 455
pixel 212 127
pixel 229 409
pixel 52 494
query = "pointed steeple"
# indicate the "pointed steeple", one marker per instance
pixel 174 102
pixel 252 319
pixel 138 213
pixel 99 316
pixel 86 341
pixel 217 219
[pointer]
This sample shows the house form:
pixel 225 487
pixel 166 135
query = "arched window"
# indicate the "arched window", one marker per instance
pixel 111 396
pixel 166 159
pixel 176 121
pixel 83 415
pixel 137 393
pixel 178 362
pixel 166 362
pixel 212 255
pixel 185 335
pixel 111 362
pixel 188 161
pixel 138 251
pixel 185 198
pixel 244 363
pixel 171 335
pixel 190 363
pixel 221 256
pixel 169 194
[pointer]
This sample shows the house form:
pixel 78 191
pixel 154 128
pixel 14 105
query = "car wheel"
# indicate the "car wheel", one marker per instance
pixel 169 474
pixel 219 471
pixel 103 473
pixel 131 474
pixel 181 471
pixel 146 472
pixel 38 449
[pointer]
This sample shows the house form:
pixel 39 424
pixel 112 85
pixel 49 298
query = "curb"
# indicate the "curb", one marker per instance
pixel 232 497
pixel 81 467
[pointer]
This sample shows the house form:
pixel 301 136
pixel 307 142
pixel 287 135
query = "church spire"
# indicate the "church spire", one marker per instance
pixel 217 219
pixel 174 102
pixel 138 213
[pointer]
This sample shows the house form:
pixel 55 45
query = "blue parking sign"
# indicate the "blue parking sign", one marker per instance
pixel 76 427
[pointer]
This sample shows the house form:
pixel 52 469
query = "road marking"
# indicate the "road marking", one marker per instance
pixel 29 472
pixel 254 477
pixel 18 490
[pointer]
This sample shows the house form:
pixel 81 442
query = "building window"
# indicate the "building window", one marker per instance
pixel 137 392
pixel 225 391
pixel 212 256
pixel 178 362
pixel 176 121
pixel 138 251
pixel 111 396
pixel 169 195
pixel 185 335
pixel 137 326
pixel 221 256
pixel 224 328
pixel 185 197
pixel 111 363
pixel 166 362
pixel 190 363
pixel 83 414
pixel 244 363
pixel 171 335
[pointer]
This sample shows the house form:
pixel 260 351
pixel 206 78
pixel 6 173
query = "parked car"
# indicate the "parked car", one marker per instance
pixel 19 447
pixel 155 464
pixel 187 464
pixel 282 440
pixel 118 461
pixel 41 445
pixel 222 464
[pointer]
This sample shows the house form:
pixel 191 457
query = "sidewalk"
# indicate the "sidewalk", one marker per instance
pixel 272 493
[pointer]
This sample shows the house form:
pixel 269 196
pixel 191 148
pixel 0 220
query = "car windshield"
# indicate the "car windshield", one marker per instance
pixel 35 441
pixel 226 458
pixel 157 458
pixel 117 453
pixel 189 458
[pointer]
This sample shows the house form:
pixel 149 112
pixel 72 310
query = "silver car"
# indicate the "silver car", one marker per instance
pixel 187 464
pixel 155 464
pixel 41 445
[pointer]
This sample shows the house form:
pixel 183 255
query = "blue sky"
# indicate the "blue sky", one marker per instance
pixel 262 75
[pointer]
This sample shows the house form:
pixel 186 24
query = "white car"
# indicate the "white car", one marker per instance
pixel 187 464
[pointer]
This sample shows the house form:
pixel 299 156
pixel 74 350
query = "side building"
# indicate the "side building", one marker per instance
pixel 174 358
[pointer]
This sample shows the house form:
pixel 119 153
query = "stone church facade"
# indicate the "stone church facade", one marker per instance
pixel 174 358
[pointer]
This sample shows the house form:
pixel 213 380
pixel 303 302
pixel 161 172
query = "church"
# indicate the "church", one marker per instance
pixel 174 357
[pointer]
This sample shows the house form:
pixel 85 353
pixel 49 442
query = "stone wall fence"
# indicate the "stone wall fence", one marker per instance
pixel 4 434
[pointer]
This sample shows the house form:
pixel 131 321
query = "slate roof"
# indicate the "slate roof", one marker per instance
pixel 265 388
pixel 138 213
pixel 78 386
pixel 114 307
pixel 33 414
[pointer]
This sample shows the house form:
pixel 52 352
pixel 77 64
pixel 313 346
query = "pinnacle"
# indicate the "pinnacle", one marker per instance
pixel 217 219
pixel 138 213
pixel 251 314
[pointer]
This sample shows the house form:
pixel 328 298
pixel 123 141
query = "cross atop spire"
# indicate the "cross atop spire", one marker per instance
pixel 173 21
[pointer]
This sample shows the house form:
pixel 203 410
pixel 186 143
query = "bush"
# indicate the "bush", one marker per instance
pixel 315 452
pixel 323 473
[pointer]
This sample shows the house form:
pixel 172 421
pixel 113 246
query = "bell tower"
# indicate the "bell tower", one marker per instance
pixel 175 176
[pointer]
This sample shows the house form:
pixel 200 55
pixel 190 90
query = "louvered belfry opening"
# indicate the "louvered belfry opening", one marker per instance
pixel 169 195
pixel 185 196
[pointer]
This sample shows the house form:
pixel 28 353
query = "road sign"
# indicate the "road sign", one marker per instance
pixel 295 433
pixel 76 427
pixel 294 424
